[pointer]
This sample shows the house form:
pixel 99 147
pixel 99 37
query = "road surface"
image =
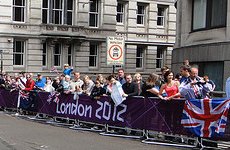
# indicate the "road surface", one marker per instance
pixel 20 134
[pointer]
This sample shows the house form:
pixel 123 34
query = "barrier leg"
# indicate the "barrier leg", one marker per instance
pixel 160 139
pixel 60 121
pixel 121 132
pixel 87 126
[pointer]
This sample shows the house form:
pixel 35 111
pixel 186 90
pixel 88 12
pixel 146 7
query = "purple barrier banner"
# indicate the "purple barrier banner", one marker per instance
pixel 8 99
pixel 136 112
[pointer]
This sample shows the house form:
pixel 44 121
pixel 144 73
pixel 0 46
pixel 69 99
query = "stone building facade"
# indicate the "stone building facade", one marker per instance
pixel 40 35
pixel 203 35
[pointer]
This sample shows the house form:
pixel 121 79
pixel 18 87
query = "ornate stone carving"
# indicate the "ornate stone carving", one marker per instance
pixel 20 26
pixel 49 27
pixel 61 28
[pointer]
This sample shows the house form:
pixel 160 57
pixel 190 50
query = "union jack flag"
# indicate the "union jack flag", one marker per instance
pixel 206 117
pixel 23 100
pixel 53 96
pixel 54 69
pixel 24 95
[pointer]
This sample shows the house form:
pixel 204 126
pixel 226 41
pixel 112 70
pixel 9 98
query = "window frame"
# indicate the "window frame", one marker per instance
pixel 70 55
pixel 57 55
pixel 208 17
pixel 95 56
pixel 142 49
pixel 23 44
pixel 21 7
pixel 164 17
pixel 122 13
pixel 96 13
pixel 160 60
pixel 63 11
pixel 44 55
pixel 142 15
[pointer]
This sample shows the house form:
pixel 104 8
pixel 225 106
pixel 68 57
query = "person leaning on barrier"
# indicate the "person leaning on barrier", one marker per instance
pixel 29 83
pixel 88 85
pixel 40 82
pixel 66 84
pixel 101 79
pixel 57 85
pixel 150 89
pixel 130 88
pixel 137 78
pixel 97 91
pixel 48 86
pixel 76 82
pixel 171 87
pixel 194 86
pixel 110 81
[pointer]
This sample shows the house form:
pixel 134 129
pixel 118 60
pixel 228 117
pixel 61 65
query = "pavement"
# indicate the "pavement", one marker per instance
pixel 20 134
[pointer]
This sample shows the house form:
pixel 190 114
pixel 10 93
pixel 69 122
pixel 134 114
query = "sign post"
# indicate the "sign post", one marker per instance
pixel 115 51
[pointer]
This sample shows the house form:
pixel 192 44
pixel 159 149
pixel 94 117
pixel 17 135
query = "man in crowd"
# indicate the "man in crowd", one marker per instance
pixel 29 83
pixel 130 88
pixel 22 80
pixel 40 82
pixel 76 81
pixel 121 76
pixel 161 80
pixel 194 86
pixel 185 72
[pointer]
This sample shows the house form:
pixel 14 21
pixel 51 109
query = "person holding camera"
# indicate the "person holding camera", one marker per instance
pixel 194 86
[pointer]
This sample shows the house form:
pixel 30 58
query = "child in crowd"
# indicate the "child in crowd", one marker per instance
pixel 67 69
pixel 97 91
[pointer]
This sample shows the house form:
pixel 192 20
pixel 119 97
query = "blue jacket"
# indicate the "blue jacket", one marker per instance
pixel 68 71
pixel 41 83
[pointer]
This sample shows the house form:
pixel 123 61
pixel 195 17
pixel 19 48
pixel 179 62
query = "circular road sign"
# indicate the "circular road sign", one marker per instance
pixel 115 52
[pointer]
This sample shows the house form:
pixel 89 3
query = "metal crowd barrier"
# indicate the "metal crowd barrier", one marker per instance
pixel 115 119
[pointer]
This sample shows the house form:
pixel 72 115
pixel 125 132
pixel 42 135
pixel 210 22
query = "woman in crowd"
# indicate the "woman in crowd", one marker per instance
pixel 171 87
pixel 57 85
pixel 48 86
pixel 101 79
pixel 137 78
pixel 150 89
pixel 97 91
pixel 88 85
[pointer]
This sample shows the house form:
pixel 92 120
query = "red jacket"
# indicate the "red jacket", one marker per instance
pixel 29 85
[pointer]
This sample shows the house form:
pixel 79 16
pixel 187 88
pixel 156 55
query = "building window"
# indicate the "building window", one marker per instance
pixel 44 54
pixel 93 13
pixel 69 56
pixel 18 52
pixel 57 54
pixel 139 57
pixel 160 57
pixel 57 11
pixel 140 14
pixel 19 9
pixel 161 15
pixel 209 14
pixel 120 12
pixel 93 55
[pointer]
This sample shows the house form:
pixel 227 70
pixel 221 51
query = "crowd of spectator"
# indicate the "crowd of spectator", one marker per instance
pixel 186 84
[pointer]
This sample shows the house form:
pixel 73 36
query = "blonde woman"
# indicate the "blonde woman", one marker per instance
pixel 137 78
pixel 150 89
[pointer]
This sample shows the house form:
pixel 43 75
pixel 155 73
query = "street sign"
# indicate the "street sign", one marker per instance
pixel 115 50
